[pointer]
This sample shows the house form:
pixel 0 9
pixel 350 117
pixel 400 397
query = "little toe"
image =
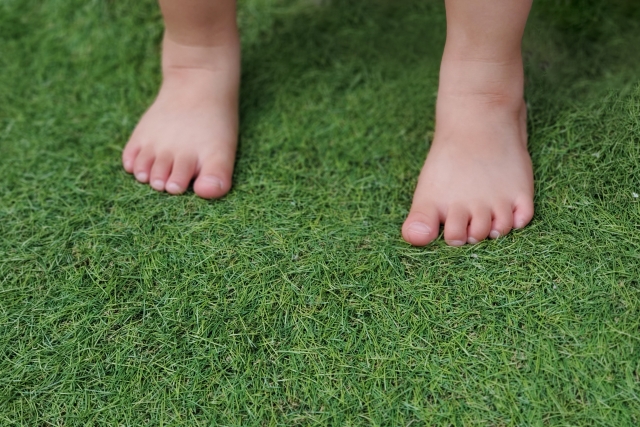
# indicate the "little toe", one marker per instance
pixel 523 213
pixel 160 171
pixel 142 165
pixel 214 179
pixel 422 226
pixel 502 221
pixel 455 226
pixel 129 155
pixel 480 225
pixel 181 175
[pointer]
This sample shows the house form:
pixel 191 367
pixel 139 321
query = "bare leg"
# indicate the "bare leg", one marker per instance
pixel 477 179
pixel 191 129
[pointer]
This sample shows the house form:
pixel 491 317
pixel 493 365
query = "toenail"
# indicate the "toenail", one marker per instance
pixel 420 228
pixel 518 224
pixel 158 184
pixel 472 241
pixel 494 234
pixel 455 242
pixel 127 164
pixel 172 187
pixel 213 181
pixel 141 176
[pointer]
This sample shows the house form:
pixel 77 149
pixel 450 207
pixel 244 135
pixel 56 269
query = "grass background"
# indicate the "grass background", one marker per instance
pixel 294 300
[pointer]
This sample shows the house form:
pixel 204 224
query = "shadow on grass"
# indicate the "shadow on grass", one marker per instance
pixel 332 40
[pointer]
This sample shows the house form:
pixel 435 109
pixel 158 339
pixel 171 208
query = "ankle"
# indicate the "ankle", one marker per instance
pixel 219 53
pixel 499 80
pixel 194 72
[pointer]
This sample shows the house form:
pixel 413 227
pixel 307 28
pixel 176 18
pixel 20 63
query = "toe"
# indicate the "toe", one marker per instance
pixel 160 171
pixel 142 165
pixel 502 220
pixel 129 155
pixel 422 226
pixel 455 226
pixel 183 171
pixel 523 212
pixel 214 178
pixel 479 226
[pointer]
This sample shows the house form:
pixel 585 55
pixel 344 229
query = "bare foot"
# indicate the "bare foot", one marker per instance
pixel 477 179
pixel 191 129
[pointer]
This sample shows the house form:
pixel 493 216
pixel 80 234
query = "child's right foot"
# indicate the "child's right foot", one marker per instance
pixel 477 179
pixel 191 129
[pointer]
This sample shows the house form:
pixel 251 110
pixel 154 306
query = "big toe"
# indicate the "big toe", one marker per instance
pixel 422 226
pixel 214 179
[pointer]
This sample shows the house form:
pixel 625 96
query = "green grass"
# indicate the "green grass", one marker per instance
pixel 294 300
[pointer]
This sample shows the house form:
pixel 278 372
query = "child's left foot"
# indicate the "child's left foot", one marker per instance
pixel 477 179
pixel 191 129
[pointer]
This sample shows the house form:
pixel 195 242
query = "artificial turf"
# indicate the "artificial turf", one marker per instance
pixel 294 300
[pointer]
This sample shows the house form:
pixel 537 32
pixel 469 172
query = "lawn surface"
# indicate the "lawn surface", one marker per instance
pixel 294 300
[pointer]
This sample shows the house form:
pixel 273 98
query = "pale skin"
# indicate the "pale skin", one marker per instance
pixel 191 129
pixel 477 180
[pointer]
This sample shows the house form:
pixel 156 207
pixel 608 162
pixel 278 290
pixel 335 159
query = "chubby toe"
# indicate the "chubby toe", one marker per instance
pixel 209 187
pixel 214 179
pixel 422 226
